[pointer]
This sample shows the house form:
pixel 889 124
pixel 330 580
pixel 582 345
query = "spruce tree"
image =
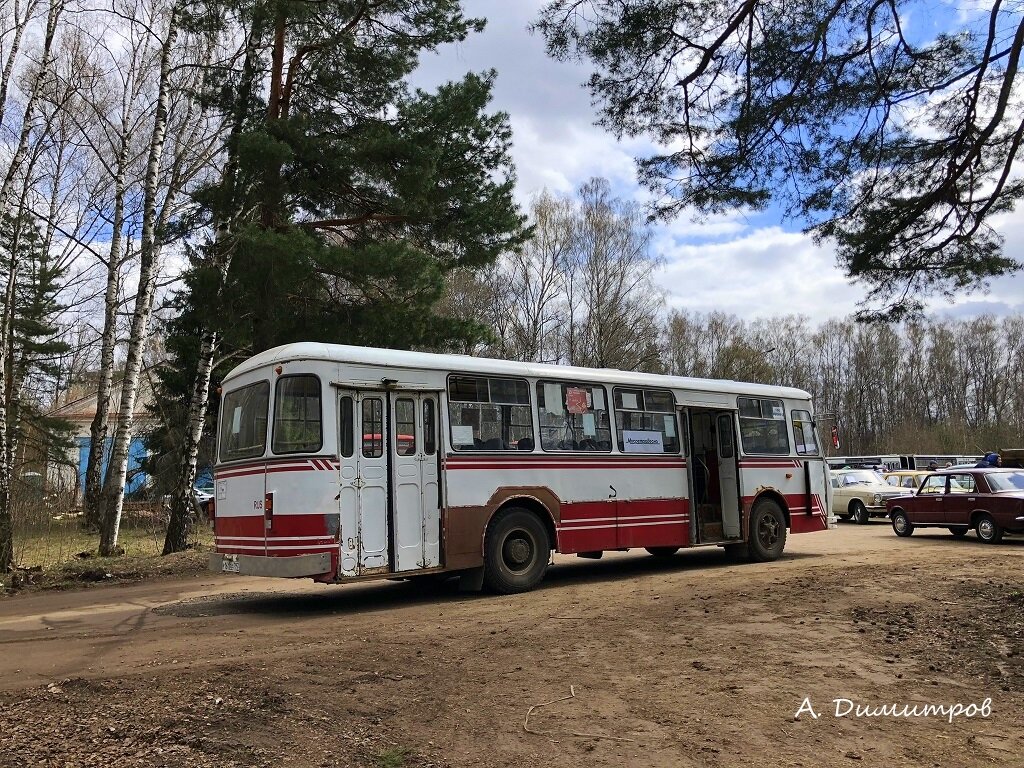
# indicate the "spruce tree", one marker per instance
pixel 346 196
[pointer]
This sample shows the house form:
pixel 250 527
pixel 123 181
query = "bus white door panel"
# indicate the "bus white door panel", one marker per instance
pixel 405 470
pixel 372 482
pixel 727 477
pixel 348 490
pixel 429 481
pixel 415 482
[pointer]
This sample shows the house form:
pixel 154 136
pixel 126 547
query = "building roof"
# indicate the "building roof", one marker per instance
pixel 83 406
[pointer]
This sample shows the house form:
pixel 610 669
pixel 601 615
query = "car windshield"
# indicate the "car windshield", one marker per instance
pixel 865 477
pixel 1005 481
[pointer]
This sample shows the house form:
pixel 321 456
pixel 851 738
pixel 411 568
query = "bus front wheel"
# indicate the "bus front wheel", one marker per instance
pixel 516 551
pixel 767 531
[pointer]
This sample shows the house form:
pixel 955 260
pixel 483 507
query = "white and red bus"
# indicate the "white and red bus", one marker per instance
pixel 343 463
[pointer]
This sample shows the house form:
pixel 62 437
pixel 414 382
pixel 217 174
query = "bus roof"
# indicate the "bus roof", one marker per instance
pixel 402 359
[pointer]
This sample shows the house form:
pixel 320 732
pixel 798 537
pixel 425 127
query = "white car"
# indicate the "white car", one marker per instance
pixel 860 494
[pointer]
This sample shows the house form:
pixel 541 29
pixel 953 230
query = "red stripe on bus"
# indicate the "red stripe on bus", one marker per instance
pixel 567 465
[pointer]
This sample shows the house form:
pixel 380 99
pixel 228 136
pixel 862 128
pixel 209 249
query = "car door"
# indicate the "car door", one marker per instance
pixel 929 508
pixel 840 497
pixel 961 499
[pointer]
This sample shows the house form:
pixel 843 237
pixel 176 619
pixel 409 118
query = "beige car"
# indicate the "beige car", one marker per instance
pixel 907 479
pixel 860 494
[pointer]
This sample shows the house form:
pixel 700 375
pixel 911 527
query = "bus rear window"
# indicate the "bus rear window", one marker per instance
pixel 243 426
pixel 297 415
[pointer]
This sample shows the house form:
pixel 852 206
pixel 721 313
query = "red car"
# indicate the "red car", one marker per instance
pixel 991 501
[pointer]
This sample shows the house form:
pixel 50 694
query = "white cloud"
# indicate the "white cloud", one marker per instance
pixel 738 262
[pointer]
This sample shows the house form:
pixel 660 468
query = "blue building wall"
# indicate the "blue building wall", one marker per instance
pixel 136 453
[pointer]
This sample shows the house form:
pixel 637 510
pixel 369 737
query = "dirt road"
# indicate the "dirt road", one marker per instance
pixel 690 661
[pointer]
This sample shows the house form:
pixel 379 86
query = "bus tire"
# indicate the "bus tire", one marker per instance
pixel 767 531
pixel 662 551
pixel 516 551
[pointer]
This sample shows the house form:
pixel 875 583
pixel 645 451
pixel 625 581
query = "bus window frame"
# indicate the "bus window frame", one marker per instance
pixel 787 428
pixel 266 436
pixel 451 404
pixel 273 415
pixel 608 409
pixel 617 432
pixel 814 431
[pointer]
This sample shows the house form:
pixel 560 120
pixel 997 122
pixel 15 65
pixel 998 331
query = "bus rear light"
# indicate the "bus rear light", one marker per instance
pixel 268 510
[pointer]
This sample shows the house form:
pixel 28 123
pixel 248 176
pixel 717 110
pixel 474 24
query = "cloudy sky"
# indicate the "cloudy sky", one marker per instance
pixel 748 265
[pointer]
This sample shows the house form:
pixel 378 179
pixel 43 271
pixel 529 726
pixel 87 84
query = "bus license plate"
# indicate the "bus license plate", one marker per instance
pixel 229 566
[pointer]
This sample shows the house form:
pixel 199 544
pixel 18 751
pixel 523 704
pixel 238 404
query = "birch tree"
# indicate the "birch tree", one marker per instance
pixel 160 198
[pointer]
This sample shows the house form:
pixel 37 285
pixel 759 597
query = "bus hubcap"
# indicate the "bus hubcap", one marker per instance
pixel 518 551
pixel 769 530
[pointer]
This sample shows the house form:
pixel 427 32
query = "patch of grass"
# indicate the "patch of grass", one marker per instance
pixel 59 553
pixel 391 758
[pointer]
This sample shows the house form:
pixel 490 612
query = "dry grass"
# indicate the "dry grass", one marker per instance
pixel 52 548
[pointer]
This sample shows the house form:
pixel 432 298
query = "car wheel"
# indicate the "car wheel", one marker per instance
pixel 662 551
pixel 767 531
pixel 960 531
pixel 988 529
pixel 901 526
pixel 517 551
pixel 859 513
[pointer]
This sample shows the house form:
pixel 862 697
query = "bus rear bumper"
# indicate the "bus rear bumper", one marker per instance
pixel 298 566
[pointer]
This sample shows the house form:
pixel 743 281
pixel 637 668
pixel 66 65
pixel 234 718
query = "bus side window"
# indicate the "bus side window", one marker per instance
pixel 429 430
pixel 803 431
pixel 346 433
pixel 373 427
pixel 405 427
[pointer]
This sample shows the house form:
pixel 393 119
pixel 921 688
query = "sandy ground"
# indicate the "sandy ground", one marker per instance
pixel 691 661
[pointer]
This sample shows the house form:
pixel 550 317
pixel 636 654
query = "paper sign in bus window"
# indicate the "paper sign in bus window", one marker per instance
pixel 629 401
pixel 597 396
pixel 462 435
pixel 553 399
pixel 637 441
pixel 589 425
pixel 576 400
pixel 236 420
pixel 670 426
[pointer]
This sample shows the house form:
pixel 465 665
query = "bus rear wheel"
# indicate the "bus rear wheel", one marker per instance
pixel 767 531
pixel 516 551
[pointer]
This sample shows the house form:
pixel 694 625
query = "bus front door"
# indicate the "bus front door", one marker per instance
pixel 414 471
pixel 727 477
pixel 363 483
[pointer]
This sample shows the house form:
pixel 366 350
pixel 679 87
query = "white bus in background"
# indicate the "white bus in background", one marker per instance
pixel 344 463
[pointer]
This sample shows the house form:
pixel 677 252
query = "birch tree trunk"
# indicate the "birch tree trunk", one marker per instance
pixel 183 497
pixel 93 496
pixel 113 488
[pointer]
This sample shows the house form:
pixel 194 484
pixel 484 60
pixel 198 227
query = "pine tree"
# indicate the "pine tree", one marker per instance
pixel 35 347
pixel 894 140
pixel 347 197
